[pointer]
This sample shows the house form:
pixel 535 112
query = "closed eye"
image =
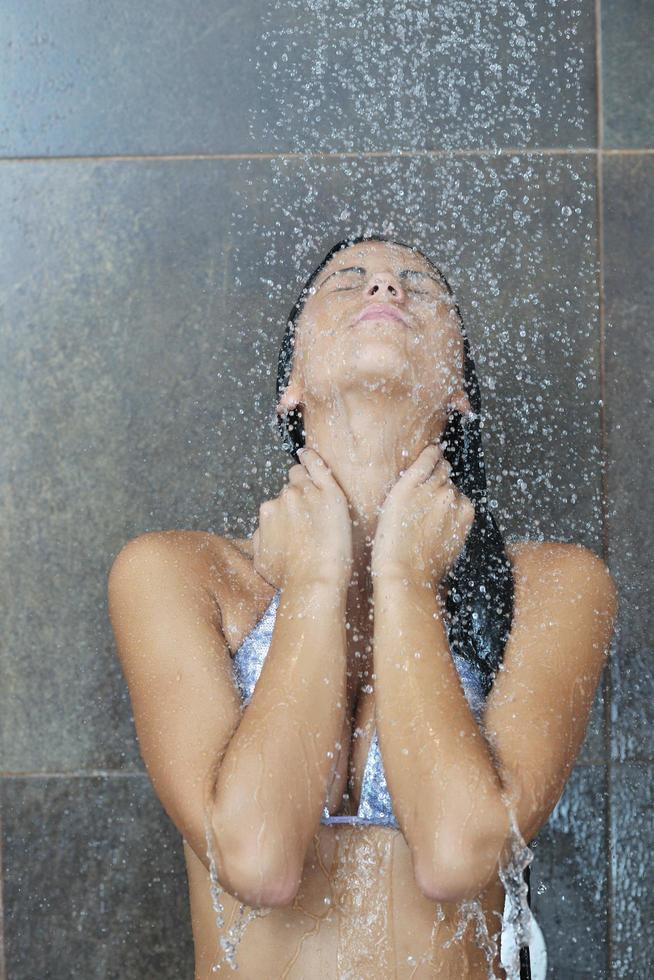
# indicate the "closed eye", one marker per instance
pixel 357 272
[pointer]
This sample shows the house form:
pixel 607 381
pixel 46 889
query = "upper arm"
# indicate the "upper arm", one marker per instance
pixel 537 712
pixel 178 671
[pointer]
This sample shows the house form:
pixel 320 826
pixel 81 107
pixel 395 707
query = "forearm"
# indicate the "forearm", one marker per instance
pixel 445 789
pixel 273 779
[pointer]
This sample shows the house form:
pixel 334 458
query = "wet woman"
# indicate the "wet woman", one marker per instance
pixel 372 695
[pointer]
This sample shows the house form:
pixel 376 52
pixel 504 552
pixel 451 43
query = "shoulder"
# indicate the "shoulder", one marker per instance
pixel 535 560
pixel 562 575
pixel 188 550
pixel 218 568
pixel 201 551
pixel 155 564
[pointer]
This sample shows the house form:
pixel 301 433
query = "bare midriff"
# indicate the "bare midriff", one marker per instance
pixel 358 914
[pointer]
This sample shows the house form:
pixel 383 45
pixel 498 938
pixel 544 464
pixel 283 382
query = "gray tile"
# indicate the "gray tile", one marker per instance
pixel 593 748
pixel 629 231
pixel 238 78
pixel 628 73
pixel 516 238
pixel 568 879
pixel 94 881
pixel 144 305
pixel 632 844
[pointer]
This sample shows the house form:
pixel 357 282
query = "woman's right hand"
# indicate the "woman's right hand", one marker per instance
pixel 305 533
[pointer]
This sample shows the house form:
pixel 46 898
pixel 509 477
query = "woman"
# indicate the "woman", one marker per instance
pixel 473 680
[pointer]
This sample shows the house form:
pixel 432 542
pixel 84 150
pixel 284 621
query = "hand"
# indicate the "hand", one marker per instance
pixel 424 521
pixel 305 532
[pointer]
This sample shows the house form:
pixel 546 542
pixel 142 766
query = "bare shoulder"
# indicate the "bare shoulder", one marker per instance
pixel 218 568
pixel 562 565
pixel 195 551
pixel 202 551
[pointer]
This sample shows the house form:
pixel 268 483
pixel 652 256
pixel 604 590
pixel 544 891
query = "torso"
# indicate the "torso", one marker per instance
pixel 359 911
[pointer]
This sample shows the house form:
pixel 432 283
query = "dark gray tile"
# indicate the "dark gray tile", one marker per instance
pixel 628 235
pixel 568 879
pixel 94 881
pixel 593 748
pixel 516 238
pixel 144 304
pixel 628 73
pixel 245 77
pixel 632 844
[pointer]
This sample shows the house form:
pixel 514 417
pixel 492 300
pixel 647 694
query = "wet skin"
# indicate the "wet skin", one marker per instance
pixel 181 603
pixel 394 926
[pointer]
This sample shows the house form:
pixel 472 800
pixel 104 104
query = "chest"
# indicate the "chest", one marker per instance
pixel 357 783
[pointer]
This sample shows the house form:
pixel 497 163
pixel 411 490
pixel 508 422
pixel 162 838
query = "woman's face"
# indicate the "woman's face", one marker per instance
pixel 408 342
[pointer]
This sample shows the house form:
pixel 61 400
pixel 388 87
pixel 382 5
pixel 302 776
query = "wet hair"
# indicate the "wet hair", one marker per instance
pixel 480 586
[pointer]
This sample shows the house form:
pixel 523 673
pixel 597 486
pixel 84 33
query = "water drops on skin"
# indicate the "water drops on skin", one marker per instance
pixel 479 214
pixel 228 943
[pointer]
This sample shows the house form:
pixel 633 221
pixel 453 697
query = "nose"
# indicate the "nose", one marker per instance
pixel 383 285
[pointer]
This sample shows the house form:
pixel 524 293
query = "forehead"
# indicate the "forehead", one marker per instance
pixel 376 254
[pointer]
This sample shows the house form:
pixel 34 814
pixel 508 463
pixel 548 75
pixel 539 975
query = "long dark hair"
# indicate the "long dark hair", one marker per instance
pixel 480 588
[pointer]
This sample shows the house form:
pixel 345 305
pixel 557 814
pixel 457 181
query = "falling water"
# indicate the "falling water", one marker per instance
pixel 228 943
pixel 434 93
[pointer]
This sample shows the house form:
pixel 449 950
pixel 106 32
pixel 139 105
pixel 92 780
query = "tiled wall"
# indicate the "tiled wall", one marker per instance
pixel 137 339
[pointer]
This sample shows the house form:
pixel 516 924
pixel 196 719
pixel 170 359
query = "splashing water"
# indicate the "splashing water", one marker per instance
pixel 519 917
pixel 449 96
pixel 415 75
pixel 228 943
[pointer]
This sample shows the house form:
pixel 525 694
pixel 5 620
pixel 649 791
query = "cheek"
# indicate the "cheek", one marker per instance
pixel 315 350
pixel 320 330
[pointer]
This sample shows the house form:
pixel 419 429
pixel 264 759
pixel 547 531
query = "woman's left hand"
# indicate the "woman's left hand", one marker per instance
pixel 424 521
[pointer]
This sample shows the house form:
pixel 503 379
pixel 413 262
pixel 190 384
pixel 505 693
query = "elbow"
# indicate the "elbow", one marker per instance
pixel 260 886
pixel 443 885
pixel 250 872
pixel 440 883
pixel 460 872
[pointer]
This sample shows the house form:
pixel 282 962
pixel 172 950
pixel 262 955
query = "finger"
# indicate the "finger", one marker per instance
pixel 315 466
pixel 298 475
pixel 423 466
pixel 441 472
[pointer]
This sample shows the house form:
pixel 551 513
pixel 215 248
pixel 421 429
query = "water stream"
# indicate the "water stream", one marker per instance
pixel 434 93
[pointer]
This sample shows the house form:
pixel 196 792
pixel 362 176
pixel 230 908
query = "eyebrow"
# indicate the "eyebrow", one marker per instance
pixel 403 273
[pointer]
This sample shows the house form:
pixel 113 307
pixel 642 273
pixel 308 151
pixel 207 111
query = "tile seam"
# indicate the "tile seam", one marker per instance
pixel 607 687
pixel 173 157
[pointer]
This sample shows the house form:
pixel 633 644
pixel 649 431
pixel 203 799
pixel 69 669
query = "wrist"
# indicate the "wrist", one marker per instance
pixel 325 579
pixel 390 569
pixel 401 575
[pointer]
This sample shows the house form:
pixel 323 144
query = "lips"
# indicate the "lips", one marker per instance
pixel 376 310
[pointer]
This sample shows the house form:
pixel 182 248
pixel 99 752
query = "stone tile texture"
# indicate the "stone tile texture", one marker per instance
pixel 142 302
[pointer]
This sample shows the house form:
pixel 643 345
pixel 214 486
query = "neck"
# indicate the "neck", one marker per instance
pixel 367 443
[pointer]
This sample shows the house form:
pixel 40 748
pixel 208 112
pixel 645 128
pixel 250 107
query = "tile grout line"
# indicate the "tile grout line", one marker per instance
pixel 346 154
pixel 608 692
